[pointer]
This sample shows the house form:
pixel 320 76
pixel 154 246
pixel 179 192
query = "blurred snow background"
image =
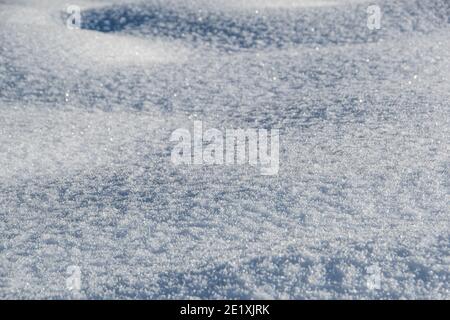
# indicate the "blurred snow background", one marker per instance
pixel 85 171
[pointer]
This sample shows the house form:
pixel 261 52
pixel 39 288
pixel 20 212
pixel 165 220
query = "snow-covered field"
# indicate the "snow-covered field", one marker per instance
pixel 360 207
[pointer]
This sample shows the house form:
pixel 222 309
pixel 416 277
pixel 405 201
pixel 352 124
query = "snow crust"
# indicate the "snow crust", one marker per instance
pixel 85 172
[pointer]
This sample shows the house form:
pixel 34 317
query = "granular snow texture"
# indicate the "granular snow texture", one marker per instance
pixel 86 177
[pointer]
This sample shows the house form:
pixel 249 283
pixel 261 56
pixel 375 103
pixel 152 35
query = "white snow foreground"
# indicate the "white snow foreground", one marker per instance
pixel 360 208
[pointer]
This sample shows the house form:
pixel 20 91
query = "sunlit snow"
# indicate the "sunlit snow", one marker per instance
pixel 86 178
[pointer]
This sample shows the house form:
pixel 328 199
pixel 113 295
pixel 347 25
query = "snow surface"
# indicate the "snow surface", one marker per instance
pixel 85 171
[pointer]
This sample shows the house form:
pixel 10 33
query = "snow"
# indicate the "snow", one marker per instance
pixel 86 178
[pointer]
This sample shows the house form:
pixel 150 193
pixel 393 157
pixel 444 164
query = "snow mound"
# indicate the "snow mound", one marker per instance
pixel 231 28
pixel 360 208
